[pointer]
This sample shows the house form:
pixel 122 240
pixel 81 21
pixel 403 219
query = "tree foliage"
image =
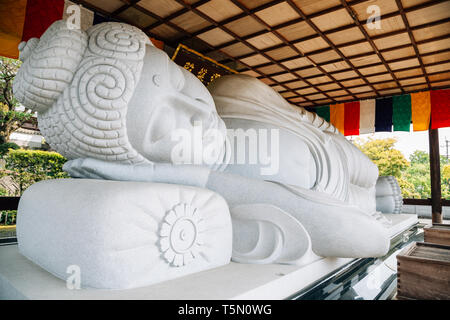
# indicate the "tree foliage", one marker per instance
pixel 414 175
pixel 390 161
pixel 30 166
pixel 446 173
pixel 10 118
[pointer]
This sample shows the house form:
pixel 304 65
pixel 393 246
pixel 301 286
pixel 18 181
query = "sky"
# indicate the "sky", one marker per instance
pixel 408 142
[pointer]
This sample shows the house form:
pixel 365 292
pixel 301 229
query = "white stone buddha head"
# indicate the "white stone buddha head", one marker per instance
pixel 109 94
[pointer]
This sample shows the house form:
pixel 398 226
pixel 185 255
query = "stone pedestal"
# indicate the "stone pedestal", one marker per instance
pixel 121 235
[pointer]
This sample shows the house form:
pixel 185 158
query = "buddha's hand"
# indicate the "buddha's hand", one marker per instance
pixel 90 168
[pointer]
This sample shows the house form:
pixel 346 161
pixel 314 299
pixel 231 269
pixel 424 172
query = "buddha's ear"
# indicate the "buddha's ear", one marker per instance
pixel 49 65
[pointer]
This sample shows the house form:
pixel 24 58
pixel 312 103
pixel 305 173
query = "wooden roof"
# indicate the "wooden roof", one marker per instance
pixel 313 52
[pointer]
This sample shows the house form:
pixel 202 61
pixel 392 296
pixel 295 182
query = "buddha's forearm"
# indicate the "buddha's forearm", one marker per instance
pixel 150 172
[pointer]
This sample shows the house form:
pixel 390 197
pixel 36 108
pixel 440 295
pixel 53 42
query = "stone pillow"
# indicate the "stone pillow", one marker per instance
pixel 123 234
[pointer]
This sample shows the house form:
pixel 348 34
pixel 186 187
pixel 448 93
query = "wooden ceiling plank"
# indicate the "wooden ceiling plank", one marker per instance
pixel 369 65
pixel 129 4
pixel 352 13
pixel 330 43
pixel 381 95
pixel 175 14
pixel 284 40
pixel 413 40
pixel 210 20
pixel 200 40
pixel 384 81
pixel 385 35
pixel 110 15
pixel 291 22
pixel 214 24
pixel 377 82
pixel 342 28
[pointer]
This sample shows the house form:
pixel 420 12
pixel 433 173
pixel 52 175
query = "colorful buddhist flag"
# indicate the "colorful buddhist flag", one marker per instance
pixel 367 116
pixel 420 110
pixel 351 118
pixel 440 108
pixel 383 114
pixel 337 116
pixel 324 112
pixel 401 113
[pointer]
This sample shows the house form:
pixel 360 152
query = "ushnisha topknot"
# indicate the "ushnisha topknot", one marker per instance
pixel 80 83
pixel 49 64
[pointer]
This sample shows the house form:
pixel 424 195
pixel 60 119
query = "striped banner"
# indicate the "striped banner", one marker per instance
pixel 390 114
pixel 421 109
pixel 383 115
pixel 337 116
pixel 367 116
pixel 324 112
pixel 401 115
pixel 440 110
pixel 351 118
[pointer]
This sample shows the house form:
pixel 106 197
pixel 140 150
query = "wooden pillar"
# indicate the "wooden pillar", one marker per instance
pixel 435 175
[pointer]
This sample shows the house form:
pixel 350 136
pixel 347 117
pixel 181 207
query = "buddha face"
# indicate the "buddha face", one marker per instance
pixel 169 106
pixel 109 94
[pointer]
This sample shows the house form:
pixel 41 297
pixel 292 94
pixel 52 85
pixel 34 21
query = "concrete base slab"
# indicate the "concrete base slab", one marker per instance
pixel 22 279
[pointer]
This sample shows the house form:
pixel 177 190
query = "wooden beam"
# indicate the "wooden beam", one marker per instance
pixel 435 175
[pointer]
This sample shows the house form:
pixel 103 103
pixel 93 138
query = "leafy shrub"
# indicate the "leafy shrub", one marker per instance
pixel 8 217
pixel 36 162
pixel 30 166
pixel 4 148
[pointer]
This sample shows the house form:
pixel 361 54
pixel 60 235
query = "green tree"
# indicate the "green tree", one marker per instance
pixel 29 166
pixel 413 176
pixel 10 118
pixel 419 157
pixel 445 180
pixel 446 173
pixel 390 161
pixel 419 174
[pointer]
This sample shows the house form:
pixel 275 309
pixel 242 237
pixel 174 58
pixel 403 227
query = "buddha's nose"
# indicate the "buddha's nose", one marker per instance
pixel 26 48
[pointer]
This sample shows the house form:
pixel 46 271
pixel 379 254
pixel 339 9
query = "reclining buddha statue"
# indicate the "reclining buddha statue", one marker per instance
pixel 173 177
